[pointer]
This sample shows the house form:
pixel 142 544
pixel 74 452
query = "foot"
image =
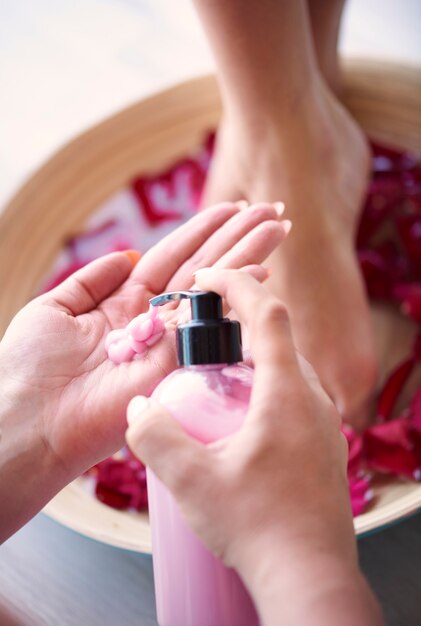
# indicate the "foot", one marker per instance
pixel 317 162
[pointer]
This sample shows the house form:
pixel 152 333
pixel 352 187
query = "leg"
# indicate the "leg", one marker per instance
pixel 284 136
pixel 325 20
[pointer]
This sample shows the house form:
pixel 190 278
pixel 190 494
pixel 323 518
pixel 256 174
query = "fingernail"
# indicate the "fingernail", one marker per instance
pixel 279 208
pixel 137 406
pixel 202 269
pixel 242 204
pixel 286 225
pixel 134 256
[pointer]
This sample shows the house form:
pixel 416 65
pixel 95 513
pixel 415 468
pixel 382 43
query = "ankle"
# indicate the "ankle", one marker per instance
pixel 260 111
pixel 268 147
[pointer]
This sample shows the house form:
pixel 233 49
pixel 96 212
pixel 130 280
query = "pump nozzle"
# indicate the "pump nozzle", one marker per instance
pixel 205 305
pixel 208 337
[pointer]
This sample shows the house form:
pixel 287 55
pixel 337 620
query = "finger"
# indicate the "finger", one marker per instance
pixel 276 369
pixel 222 240
pixel 88 287
pixel 308 370
pixel 264 316
pixel 258 272
pixel 183 307
pixel 157 439
pixel 162 261
pixel 256 246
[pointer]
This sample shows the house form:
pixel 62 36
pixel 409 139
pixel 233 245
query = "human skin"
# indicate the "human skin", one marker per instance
pixel 271 500
pixel 325 20
pixel 63 402
pixel 284 135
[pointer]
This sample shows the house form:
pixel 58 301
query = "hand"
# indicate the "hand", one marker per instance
pixel 271 500
pixel 52 357
pixel 292 430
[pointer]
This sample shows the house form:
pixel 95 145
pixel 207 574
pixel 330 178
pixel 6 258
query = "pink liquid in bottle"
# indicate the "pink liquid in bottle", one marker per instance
pixel 193 587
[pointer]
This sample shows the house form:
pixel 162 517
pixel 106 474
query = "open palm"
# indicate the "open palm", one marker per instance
pixel 53 352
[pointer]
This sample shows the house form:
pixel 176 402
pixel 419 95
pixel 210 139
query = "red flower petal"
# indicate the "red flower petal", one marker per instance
pixel 409 229
pixel 168 196
pixel 392 388
pixel 121 483
pixel 417 347
pixel 414 412
pixel 111 497
pixel 383 267
pixel 389 249
pixel 410 297
pixel 389 448
pixel 376 273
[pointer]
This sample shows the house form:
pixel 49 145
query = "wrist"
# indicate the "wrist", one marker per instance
pixel 284 556
pixel 30 474
pixel 313 581
pixel 304 584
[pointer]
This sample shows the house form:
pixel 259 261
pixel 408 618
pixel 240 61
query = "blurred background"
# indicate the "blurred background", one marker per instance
pixel 67 64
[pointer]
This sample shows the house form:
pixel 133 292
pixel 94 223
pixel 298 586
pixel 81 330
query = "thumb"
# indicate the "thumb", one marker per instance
pixel 88 287
pixel 158 440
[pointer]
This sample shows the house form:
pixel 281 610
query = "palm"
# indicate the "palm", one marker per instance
pixel 55 345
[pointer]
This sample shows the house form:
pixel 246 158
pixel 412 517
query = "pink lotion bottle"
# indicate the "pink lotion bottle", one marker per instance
pixel 209 396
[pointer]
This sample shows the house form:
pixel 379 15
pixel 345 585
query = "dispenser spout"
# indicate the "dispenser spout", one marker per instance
pixel 208 337
pixel 205 305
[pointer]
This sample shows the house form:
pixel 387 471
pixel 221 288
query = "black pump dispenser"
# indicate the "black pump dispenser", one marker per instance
pixel 209 337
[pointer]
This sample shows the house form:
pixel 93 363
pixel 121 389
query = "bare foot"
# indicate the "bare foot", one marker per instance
pixel 317 162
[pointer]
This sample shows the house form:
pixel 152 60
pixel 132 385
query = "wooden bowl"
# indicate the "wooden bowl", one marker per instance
pixel 146 138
